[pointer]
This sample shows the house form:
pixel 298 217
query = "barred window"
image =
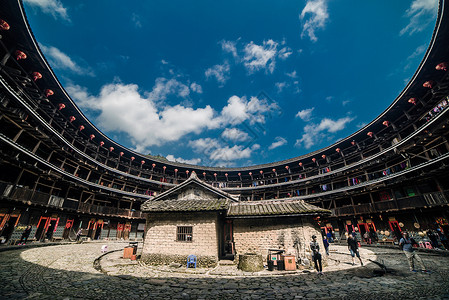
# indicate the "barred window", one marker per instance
pixel 184 233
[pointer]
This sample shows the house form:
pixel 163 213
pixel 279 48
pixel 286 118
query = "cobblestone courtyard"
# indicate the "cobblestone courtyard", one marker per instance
pixel 68 272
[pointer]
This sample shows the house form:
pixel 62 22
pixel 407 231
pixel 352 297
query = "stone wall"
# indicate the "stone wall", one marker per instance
pixel 161 247
pixel 260 234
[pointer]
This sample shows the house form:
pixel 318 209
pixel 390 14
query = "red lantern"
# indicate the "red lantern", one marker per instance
pixel 250 174
pixel 428 84
pixel 111 149
pixel 49 92
pixel 226 174
pixel 4 25
pixel 323 156
pixel 442 66
pixel 300 164
pixel 121 153
pixel 20 55
pixel 176 171
pixel 164 167
pixel 204 174
pixel 370 134
pixel 412 101
pixel 353 143
pixel 386 123
pixel 101 144
pixel 215 175
pixel 261 172
pixel 92 136
pixel 153 165
pixel 71 119
pixel 132 158
pixel 187 172
pixel 286 167
pixel 36 76
pixel 274 170
pixel 240 174
pixel 81 127
pixel 338 150
pixel 61 106
pixel 314 159
pixel 142 162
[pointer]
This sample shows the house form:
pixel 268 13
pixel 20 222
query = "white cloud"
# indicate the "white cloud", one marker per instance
pixel 62 61
pixel 284 53
pixel 259 57
pixel 195 87
pixel 149 121
pixel 418 51
pixel 232 153
pixel 420 13
pixel 278 142
pixel 314 133
pixel 52 7
pixel 135 19
pixel 164 87
pixel 122 109
pixel 229 47
pixel 280 86
pixel 193 161
pixel 239 110
pixel 305 114
pixel 221 153
pixel 220 72
pixel 292 74
pixel 317 12
pixel 235 135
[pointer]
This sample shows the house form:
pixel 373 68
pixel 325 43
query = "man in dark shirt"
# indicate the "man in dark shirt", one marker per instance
pixel 316 255
pixel 407 246
pixel 353 247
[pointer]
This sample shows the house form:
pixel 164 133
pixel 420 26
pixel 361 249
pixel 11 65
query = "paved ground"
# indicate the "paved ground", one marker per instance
pixel 68 272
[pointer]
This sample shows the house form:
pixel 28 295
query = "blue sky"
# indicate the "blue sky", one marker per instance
pixel 232 83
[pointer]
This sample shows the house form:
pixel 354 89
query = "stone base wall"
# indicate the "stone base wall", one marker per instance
pixel 260 234
pixel 161 237
pixel 166 259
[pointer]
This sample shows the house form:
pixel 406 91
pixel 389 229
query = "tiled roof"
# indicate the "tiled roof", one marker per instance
pixel 185 205
pixel 274 208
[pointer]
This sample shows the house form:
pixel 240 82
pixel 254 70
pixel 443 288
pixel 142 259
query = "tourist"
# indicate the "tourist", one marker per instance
pixel 78 234
pixel 407 246
pixel 326 245
pixel 25 235
pixel 366 237
pixel 443 239
pixel 433 238
pixel 353 247
pixel 329 236
pixel 316 255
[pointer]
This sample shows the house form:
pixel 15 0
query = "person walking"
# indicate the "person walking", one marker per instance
pixel 407 246
pixel 25 235
pixel 316 255
pixel 353 248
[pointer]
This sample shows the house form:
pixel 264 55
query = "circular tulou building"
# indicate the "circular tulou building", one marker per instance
pixel 60 174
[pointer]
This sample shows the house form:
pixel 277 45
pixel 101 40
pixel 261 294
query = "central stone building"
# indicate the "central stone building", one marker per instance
pixel 197 218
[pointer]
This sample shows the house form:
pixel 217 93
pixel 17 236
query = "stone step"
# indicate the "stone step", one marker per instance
pixel 226 262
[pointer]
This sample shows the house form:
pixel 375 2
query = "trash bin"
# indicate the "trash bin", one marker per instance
pixel 270 264
pixel 289 262
pixel 274 256
pixel 134 245
pixel 281 265
pixel 128 252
